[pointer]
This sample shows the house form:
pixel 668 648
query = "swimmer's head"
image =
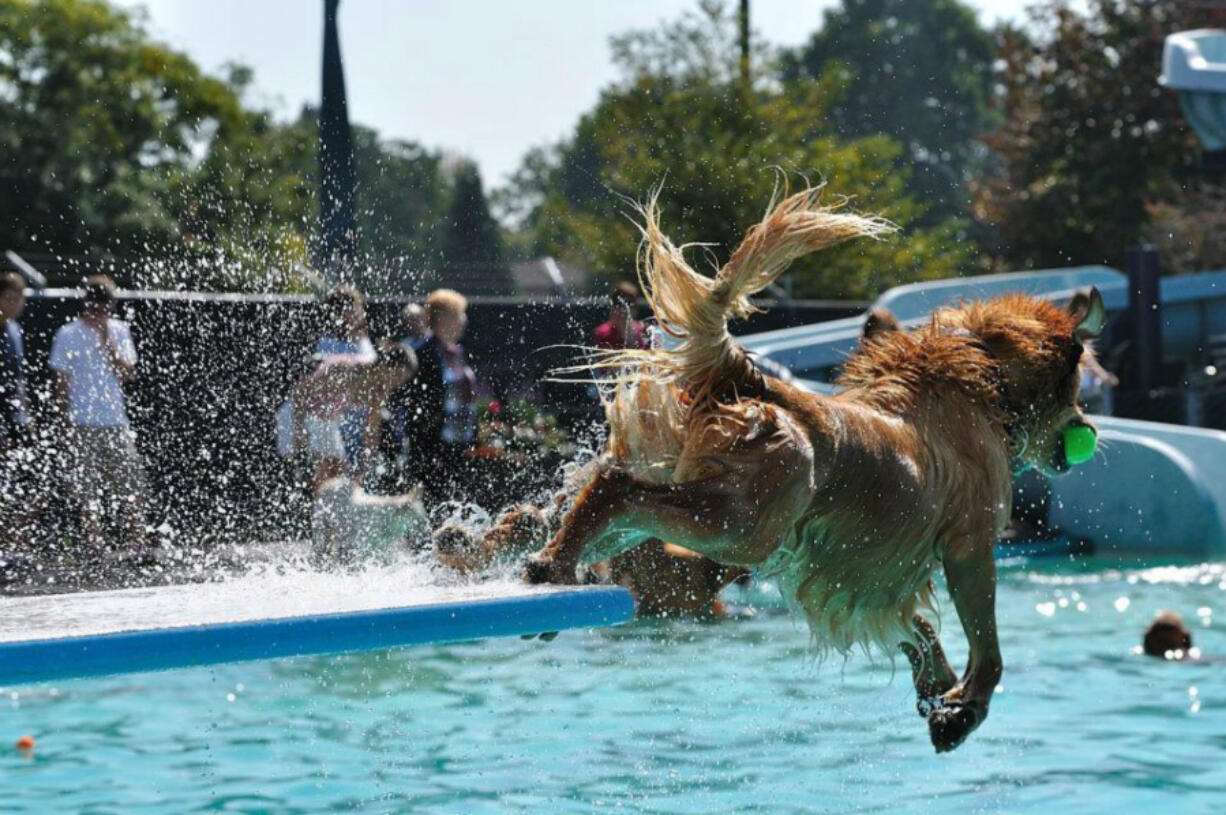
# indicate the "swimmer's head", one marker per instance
pixel 1167 638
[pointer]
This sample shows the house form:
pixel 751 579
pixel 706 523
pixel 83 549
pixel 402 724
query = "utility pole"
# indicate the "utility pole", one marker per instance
pixel 337 174
pixel 743 20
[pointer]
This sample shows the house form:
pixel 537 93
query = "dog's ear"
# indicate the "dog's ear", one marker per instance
pixel 1090 314
pixel 879 321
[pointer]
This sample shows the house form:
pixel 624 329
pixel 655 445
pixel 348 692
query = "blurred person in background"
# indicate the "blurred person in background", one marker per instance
pixel 338 385
pixel 345 331
pixel 1168 638
pixel 15 502
pixel 341 509
pixel 621 330
pixel 393 452
pixel 441 418
pixel 13 407
pixel 1096 386
pixel 92 357
pixel 416 327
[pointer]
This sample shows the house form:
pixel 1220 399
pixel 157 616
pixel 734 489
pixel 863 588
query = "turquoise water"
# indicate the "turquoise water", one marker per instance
pixel 672 716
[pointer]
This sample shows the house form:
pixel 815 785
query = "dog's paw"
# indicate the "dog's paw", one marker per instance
pixel 541 569
pixel 521 529
pixel 949 726
pixel 457 548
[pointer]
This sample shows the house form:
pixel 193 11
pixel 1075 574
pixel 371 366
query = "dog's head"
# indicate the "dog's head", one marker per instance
pixel 1037 349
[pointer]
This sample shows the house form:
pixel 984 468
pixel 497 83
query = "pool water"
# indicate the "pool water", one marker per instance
pixel 659 716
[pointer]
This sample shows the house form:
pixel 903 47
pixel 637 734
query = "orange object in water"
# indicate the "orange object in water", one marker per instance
pixel 25 743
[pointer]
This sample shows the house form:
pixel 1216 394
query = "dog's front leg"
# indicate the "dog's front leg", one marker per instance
pixel 971 574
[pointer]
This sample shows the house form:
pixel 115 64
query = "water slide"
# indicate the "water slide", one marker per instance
pixel 1154 489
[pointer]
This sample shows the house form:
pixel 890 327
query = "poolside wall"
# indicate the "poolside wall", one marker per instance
pixel 214 367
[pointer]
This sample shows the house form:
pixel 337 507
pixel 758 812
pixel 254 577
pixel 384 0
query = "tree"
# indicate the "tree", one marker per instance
pixel 106 129
pixel 474 258
pixel 680 115
pixel 918 71
pixel 242 210
pixel 124 151
pixel 403 196
pixel 1088 137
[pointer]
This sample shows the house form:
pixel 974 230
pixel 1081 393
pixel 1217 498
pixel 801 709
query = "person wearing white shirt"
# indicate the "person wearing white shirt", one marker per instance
pixel 92 356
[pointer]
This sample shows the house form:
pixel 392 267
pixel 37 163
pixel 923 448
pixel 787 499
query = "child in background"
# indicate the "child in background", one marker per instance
pixel 345 517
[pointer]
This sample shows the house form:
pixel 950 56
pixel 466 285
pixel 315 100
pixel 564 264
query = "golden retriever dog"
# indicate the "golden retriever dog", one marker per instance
pixel 850 502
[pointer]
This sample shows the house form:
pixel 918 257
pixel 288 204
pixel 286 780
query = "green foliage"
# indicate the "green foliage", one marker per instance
pixel 123 150
pixel 474 258
pixel 402 197
pixel 680 115
pixel 1189 229
pixel 243 209
pixel 403 194
pixel 1089 137
pixel 100 119
pixel 918 71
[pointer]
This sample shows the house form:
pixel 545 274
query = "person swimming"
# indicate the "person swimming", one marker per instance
pixel 1168 638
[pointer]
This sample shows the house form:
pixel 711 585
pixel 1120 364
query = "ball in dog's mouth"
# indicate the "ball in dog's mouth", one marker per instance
pixel 1075 445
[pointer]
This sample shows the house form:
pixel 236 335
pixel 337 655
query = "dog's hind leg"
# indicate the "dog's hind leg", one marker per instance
pixel 519 530
pixel 723 517
pixel 930 670
pixel 743 491
pixel 602 501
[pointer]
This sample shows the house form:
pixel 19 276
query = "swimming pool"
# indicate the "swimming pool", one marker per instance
pixel 659 716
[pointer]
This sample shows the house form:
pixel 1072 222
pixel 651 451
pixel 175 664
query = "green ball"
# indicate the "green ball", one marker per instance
pixel 1080 441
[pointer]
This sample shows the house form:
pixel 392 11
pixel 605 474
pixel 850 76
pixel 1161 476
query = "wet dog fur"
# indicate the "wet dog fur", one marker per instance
pixel 851 502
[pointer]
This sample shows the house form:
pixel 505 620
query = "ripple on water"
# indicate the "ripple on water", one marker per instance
pixel 670 716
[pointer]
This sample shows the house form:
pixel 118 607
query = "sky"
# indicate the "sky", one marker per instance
pixel 489 79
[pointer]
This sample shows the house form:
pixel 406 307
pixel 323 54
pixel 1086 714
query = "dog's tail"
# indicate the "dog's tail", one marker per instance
pixel 695 309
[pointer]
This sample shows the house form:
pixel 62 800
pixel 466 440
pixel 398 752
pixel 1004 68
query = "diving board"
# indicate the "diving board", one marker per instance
pixel 89 634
